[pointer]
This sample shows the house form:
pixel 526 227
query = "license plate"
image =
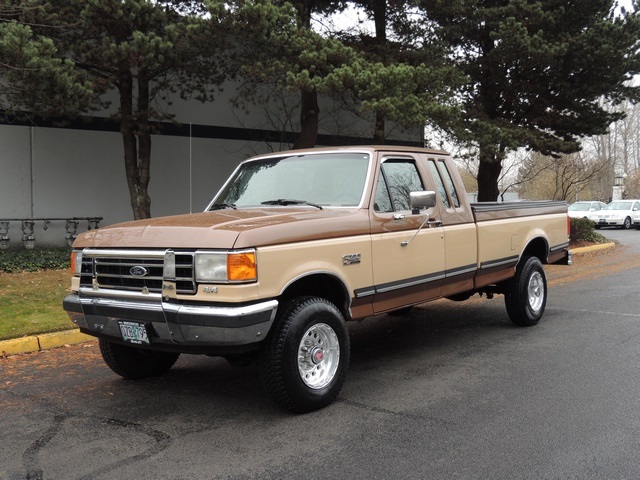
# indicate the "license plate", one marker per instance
pixel 602 220
pixel 134 332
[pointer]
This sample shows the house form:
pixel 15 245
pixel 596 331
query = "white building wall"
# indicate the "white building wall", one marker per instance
pixel 15 172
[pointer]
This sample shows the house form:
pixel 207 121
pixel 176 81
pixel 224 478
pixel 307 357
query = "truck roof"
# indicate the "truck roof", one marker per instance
pixel 357 148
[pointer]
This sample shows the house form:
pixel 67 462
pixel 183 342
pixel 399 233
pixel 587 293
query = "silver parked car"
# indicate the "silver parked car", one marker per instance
pixel 585 209
pixel 619 213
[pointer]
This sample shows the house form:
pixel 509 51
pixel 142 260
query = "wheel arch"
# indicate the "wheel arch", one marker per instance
pixel 537 247
pixel 319 284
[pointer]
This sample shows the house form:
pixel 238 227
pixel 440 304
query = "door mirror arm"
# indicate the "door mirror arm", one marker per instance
pixel 422 200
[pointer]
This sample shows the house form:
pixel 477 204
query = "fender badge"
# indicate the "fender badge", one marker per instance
pixel 351 259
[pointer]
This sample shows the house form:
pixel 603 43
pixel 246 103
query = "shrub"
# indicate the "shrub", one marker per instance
pixel 34 260
pixel 582 230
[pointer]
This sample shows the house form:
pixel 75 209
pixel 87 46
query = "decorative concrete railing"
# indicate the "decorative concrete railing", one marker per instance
pixel 28 226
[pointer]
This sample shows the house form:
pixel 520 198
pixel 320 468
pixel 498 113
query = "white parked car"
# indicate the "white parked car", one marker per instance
pixel 620 213
pixel 585 209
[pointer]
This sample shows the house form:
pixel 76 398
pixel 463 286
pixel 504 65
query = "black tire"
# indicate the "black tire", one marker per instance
pixel 305 357
pixel 526 293
pixel 134 363
pixel 627 223
pixel 597 227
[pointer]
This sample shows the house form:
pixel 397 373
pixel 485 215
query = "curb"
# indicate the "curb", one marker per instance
pixel 592 248
pixel 41 342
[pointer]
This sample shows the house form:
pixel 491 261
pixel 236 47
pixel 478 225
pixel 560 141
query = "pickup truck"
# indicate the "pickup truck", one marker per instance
pixel 293 246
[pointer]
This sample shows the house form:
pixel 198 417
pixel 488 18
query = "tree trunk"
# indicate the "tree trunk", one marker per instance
pixel 143 200
pixel 378 129
pixel 309 108
pixel 136 160
pixel 309 111
pixel 488 174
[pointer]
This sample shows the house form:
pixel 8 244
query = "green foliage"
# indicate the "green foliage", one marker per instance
pixel 582 230
pixel 35 77
pixel 34 260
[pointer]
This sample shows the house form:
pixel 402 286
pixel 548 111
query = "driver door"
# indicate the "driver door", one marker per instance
pixel 411 273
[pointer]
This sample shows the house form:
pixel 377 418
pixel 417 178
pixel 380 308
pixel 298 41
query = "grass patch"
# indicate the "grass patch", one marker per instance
pixel 31 303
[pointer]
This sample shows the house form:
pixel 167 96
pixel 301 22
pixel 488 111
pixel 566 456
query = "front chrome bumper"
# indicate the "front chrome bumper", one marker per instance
pixel 174 326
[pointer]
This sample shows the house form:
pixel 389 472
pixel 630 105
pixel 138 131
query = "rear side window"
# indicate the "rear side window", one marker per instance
pixel 436 176
pixel 397 178
pixel 446 188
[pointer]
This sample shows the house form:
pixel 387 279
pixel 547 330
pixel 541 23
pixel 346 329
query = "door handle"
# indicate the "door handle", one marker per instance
pixel 432 222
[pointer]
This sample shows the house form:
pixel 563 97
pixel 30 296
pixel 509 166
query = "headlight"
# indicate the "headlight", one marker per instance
pixel 223 267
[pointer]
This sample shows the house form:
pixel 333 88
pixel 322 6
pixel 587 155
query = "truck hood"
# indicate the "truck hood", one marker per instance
pixel 241 228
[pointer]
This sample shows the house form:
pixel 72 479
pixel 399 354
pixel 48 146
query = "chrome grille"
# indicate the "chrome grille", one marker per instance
pixel 113 270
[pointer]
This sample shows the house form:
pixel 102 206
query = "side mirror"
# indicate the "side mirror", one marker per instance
pixel 422 199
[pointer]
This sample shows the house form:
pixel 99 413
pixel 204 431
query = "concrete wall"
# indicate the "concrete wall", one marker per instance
pixel 48 171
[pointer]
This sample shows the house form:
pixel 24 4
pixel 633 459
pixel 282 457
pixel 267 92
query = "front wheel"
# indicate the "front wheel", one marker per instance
pixel 134 363
pixel 305 357
pixel 627 223
pixel 526 293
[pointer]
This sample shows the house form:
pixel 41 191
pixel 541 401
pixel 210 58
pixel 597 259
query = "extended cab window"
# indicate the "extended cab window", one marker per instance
pixel 446 188
pixel 397 178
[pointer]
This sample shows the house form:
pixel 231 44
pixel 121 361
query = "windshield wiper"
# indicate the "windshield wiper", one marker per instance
pixel 220 206
pixel 286 201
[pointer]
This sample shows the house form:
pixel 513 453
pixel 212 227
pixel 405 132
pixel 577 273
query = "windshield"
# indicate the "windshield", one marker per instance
pixel 619 206
pixel 332 179
pixel 579 207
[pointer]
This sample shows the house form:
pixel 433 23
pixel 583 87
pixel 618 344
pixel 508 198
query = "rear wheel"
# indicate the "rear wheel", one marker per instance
pixel 526 293
pixel 135 363
pixel 305 357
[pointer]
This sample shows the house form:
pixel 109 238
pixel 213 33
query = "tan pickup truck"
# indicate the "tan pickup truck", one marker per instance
pixel 294 245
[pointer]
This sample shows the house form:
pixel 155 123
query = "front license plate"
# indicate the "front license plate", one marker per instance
pixel 134 332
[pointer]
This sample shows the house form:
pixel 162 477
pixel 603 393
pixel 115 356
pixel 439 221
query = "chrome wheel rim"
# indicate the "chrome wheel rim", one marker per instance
pixel 318 356
pixel 536 291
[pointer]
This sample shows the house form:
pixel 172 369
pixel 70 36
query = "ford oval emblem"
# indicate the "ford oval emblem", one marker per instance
pixel 138 271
